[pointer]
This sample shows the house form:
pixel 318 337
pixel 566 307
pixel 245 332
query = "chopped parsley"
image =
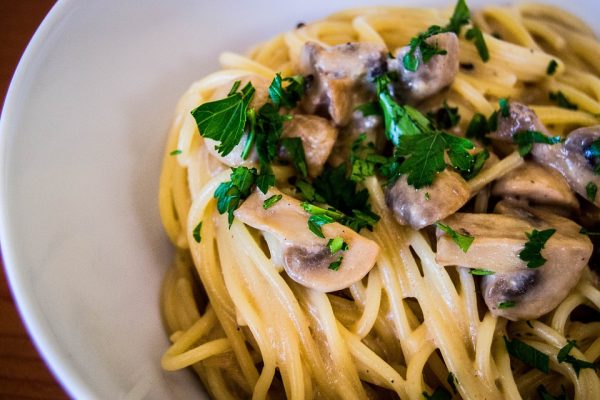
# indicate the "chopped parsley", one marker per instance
pixel 478 128
pixel 460 17
pixel 230 194
pixel 364 159
pixel 289 96
pixel 337 244
pixel 336 264
pixel 481 272
pixel 590 190
pixel 438 394
pixel 368 109
pixel 526 139
pixel 592 154
pixel 527 354
pixel 196 232
pixel 504 108
pixel 320 216
pixel 584 231
pixel 224 120
pixel 308 192
pixel 506 304
pixel 531 253
pixel 271 201
pixel 463 241
pixel 427 196
pixel 293 146
pixel 445 117
pixel 411 60
pixel 561 100
pixel 175 152
pixel 551 69
pixel 478 163
pixel 564 356
pixel 475 35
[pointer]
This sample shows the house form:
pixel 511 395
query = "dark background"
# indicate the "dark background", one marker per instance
pixel 23 374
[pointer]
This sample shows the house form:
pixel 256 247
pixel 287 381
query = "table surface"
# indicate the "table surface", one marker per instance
pixel 23 374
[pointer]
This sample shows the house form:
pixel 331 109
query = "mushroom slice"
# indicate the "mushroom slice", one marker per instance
pixel 430 77
pixel 260 97
pixel 318 136
pixel 516 292
pixel 306 257
pixel 538 184
pixel 573 160
pixel 519 118
pixel 341 77
pixel 422 207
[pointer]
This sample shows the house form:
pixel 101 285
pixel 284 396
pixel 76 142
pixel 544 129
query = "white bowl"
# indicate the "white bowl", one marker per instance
pixel 82 134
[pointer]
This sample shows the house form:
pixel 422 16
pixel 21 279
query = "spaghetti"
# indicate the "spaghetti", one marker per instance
pixel 410 327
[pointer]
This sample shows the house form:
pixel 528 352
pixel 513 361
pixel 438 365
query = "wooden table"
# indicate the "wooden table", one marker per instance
pixel 23 374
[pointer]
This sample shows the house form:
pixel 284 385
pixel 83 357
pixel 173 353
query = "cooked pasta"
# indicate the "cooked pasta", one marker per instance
pixel 413 325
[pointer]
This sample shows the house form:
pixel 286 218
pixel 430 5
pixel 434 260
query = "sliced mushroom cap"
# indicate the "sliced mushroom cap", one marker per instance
pixel 520 118
pixel 432 76
pixel 371 126
pixel 341 77
pixel 572 160
pixel 306 257
pixel 538 184
pixel 318 136
pixel 498 241
pixel 422 207
pixel 260 97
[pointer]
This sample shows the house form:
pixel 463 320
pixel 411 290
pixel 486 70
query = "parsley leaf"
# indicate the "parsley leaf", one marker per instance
pixel 271 201
pixel 564 356
pixel 551 69
pixel 476 36
pixel 438 394
pixel 592 154
pixel 364 159
pixel 561 100
pixel 337 244
pixel 478 128
pixel 400 120
pixel 410 60
pixel 269 126
pixel 463 241
pixel 525 140
pixel 224 120
pixel 289 96
pixel 504 108
pixel 478 163
pixel 591 189
pixel 506 304
pixel 368 109
pixel 424 156
pixel 481 272
pixel 584 231
pixel 529 355
pixel 196 232
pixel 336 264
pixel 230 194
pixel 531 253
pixel 460 17
pixel 308 192
pixel 293 146
pixel 175 152
pixel 445 117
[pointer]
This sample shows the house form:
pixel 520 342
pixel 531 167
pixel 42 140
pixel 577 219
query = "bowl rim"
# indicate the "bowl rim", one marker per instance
pixel 27 305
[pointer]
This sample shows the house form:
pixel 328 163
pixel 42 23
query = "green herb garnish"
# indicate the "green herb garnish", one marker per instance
pixel 531 253
pixel 336 264
pixel 224 120
pixel 527 354
pixel 175 152
pixel 196 232
pixel 561 100
pixel 410 60
pixel 460 17
pixel 368 109
pixel 271 201
pixel 438 394
pixel 230 194
pixel 504 108
pixel 545 395
pixel 506 304
pixel 526 139
pixel 451 379
pixel 337 244
pixel 551 69
pixel 481 272
pixel 590 190
pixel 477 165
pixel 463 241
pixel 289 96
pixel 445 117
pixel 293 145
pixel 564 356
pixel 475 35
pixel 478 128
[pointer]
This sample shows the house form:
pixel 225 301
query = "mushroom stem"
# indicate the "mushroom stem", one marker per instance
pixel 496 171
